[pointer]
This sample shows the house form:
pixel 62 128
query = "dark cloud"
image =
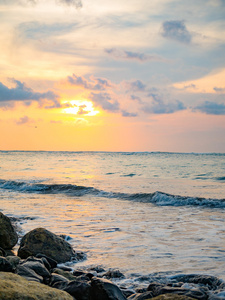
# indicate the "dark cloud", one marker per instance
pixel 130 55
pixel 158 106
pixel 97 84
pixel 219 90
pixel 24 120
pixel 105 101
pixel 211 108
pixel 22 93
pixel 128 114
pixel 176 30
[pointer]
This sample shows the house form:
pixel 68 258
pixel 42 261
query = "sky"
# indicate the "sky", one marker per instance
pixel 94 75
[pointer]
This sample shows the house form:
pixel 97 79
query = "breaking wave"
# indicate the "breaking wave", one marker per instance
pixel 157 198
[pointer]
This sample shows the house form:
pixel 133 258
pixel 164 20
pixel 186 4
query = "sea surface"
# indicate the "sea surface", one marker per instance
pixel 143 213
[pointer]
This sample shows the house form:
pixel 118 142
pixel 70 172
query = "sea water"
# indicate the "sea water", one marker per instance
pixel 143 213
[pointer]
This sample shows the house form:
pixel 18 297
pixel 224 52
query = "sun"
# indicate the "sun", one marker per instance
pixel 79 107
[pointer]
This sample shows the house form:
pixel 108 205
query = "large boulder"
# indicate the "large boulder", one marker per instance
pixel 15 287
pixel 43 241
pixel 8 235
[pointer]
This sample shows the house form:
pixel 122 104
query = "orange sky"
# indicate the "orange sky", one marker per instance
pixel 81 76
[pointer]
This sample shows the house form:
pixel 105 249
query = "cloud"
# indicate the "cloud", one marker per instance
pixel 21 93
pixel 158 106
pixel 105 101
pixel 75 3
pixel 130 55
pixel 136 85
pixel 36 30
pixel 211 108
pixel 136 98
pixel 219 90
pixel 24 120
pixel 97 84
pixel 72 3
pixel 176 30
pixel 128 114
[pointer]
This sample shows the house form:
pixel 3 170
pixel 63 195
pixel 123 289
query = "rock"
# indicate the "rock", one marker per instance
pixel 66 274
pixel 171 297
pixel 192 293
pixel 55 278
pixel 103 289
pixel 5 265
pixel 113 274
pixel 43 241
pixel 13 260
pixel 37 265
pixel 2 252
pixel 15 287
pixel 51 262
pixel 79 289
pixel 28 273
pixel 8 235
pixel 211 282
pixel 141 296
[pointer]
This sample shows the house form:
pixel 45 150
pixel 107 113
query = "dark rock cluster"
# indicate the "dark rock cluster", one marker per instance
pixel 35 273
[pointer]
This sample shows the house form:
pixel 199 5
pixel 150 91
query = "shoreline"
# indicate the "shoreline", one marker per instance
pixel 195 286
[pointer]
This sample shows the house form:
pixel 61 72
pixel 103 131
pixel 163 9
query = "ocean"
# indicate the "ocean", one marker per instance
pixel 148 213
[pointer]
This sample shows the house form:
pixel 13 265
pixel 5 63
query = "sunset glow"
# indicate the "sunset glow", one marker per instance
pixel 137 76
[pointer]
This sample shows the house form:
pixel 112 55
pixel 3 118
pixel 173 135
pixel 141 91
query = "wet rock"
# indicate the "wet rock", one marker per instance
pixel 171 297
pixel 65 274
pixel 79 289
pixel 15 287
pixel 113 274
pixel 141 296
pixel 28 273
pixel 56 278
pixel 2 252
pixel 211 282
pixel 43 241
pixel 37 266
pixel 51 262
pixel 13 260
pixel 103 289
pixel 8 235
pixel 5 265
pixel 192 293
pixel 126 292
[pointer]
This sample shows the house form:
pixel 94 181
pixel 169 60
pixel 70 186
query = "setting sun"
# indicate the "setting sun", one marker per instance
pixel 80 107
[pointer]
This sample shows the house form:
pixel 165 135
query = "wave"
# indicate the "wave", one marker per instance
pixel 157 198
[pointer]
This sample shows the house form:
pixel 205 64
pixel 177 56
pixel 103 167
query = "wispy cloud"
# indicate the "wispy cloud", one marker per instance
pixel 130 55
pixel 37 30
pixel 128 114
pixel 211 108
pixel 219 90
pixel 97 84
pixel 176 30
pixel 24 120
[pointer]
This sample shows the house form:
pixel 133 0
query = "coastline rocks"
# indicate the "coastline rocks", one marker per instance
pixel 103 289
pixel 15 287
pixel 8 235
pixel 45 242
pixel 5 265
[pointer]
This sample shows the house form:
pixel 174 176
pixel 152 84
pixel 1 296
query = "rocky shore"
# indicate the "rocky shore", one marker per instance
pixel 37 272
